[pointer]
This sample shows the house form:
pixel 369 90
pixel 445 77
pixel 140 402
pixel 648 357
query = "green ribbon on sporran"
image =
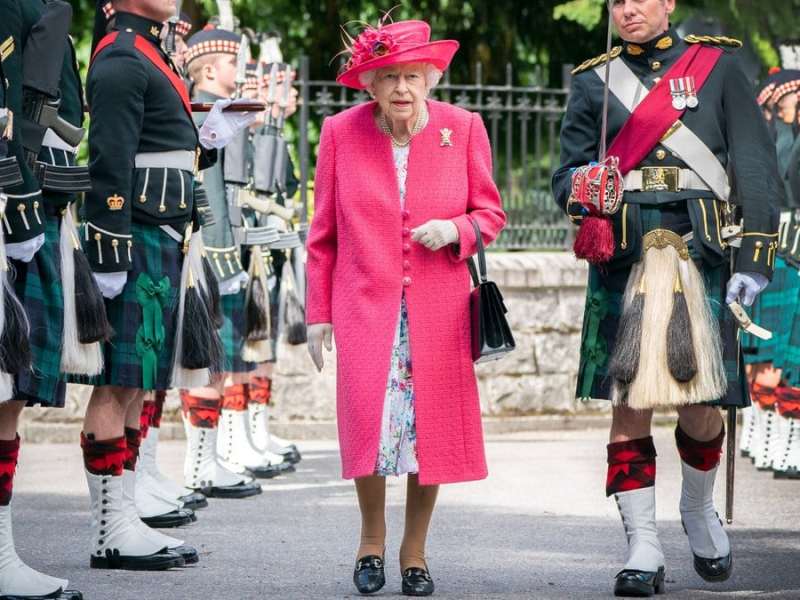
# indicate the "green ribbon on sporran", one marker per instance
pixel 152 297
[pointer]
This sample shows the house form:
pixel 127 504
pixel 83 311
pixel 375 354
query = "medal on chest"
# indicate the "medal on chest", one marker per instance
pixel 684 93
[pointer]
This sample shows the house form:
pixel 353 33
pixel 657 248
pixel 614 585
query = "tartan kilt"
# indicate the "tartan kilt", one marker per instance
pixel 605 299
pixel 232 333
pixel 38 286
pixel 774 310
pixel 789 335
pixel 156 254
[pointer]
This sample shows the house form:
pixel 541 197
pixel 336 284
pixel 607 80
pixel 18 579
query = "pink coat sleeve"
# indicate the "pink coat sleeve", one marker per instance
pixel 321 245
pixel 484 204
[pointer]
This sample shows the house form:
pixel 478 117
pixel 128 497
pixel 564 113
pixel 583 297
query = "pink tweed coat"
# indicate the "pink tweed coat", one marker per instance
pixel 361 260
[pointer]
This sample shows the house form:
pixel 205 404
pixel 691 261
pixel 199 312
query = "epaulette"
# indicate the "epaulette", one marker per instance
pixel 597 60
pixel 715 40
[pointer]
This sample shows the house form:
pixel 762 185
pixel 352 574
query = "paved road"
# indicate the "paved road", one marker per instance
pixel 539 527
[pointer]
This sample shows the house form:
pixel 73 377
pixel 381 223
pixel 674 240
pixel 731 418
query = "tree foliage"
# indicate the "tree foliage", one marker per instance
pixel 537 36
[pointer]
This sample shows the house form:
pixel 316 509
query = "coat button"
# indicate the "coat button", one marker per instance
pixel 661 154
pixel 406 248
pixel 406 232
pixel 406 281
pixel 405 214
pixel 407 265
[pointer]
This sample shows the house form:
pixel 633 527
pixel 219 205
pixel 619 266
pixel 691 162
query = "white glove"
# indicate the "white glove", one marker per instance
pixel 744 287
pixel 24 251
pixel 436 234
pixel 220 128
pixel 319 334
pixel 233 285
pixel 111 284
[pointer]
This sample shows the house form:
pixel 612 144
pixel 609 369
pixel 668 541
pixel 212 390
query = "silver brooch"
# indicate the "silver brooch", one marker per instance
pixel 446 135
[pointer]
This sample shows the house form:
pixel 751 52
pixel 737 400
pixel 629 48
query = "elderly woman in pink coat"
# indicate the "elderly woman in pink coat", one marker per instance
pixel 399 182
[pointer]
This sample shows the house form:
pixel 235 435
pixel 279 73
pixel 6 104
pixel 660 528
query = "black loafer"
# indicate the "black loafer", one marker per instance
pixel 159 561
pixel 369 576
pixel 714 570
pixel 240 490
pixel 176 518
pixel 195 500
pixel 417 582
pixel 639 584
pixel 57 595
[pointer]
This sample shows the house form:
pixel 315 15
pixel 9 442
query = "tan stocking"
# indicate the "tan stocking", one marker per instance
pixel 420 501
pixel 372 503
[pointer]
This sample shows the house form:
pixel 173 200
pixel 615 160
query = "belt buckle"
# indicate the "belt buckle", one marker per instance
pixel 660 179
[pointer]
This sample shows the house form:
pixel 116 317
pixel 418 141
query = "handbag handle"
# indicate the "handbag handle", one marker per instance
pixel 479 276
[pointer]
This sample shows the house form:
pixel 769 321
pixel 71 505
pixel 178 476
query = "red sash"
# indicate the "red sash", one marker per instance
pixel 655 114
pixel 146 48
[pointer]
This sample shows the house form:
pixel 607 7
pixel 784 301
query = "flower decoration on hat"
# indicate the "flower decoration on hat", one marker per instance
pixel 372 42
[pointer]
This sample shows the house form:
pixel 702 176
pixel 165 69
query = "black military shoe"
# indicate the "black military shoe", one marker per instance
pixel 57 595
pixel 787 474
pixel 160 561
pixel 187 553
pixel 714 570
pixel 265 471
pixel 194 501
pixel 417 582
pixel 240 490
pixel 369 576
pixel 639 584
pixel 176 518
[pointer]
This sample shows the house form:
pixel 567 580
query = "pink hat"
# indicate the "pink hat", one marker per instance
pixel 396 43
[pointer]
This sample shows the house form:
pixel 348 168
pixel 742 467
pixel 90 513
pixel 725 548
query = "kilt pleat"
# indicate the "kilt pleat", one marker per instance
pixel 38 286
pixel 232 333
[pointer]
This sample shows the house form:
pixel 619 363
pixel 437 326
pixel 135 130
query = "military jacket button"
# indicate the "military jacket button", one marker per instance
pixel 661 154
pixel 655 65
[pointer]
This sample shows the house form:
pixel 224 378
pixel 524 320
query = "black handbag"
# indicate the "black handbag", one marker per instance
pixel 491 335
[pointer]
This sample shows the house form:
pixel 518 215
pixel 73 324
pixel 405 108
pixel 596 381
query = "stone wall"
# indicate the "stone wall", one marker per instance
pixel 544 292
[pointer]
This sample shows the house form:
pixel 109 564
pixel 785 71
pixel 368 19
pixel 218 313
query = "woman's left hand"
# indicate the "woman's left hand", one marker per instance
pixel 436 234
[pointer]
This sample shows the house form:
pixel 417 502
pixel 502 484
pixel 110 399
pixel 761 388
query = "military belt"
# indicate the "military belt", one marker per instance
pixel 173 159
pixel 256 236
pixel 663 179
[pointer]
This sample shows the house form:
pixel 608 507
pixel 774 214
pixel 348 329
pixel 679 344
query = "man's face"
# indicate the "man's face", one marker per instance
pixel 640 21
pixel 225 73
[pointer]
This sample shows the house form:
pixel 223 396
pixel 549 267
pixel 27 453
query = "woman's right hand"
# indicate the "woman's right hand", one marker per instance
pixel 319 334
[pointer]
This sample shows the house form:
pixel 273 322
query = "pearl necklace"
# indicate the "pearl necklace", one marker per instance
pixel 422 121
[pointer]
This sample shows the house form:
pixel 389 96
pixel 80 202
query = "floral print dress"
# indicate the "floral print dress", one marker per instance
pixel 397 453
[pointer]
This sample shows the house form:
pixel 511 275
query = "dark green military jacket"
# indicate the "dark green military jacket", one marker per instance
pixel 727 120
pixel 70 109
pixel 24 216
pixel 134 109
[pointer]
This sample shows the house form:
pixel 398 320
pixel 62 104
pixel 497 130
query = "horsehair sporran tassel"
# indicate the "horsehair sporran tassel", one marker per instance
pixel 681 360
pixel 666 257
pixel 208 289
pixel 85 321
pixel 624 362
pixel 294 313
pixel 257 309
pixel 214 301
pixel 181 376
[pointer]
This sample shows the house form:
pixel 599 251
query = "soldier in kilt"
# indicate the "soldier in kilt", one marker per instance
pixel 278 255
pixel 141 234
pixel 210 412
pixel 32 228
pixel 771 433
pixel 770 363
pixel 654 220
